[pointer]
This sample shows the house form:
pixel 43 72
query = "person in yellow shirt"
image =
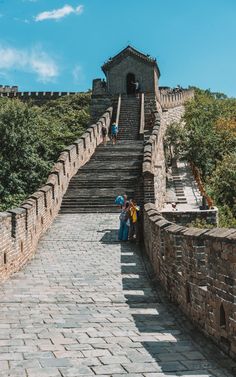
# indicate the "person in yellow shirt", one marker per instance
pixel 133 215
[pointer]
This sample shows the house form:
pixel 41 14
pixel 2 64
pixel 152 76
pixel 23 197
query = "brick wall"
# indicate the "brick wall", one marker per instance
pixel 197 269
pixel 21 228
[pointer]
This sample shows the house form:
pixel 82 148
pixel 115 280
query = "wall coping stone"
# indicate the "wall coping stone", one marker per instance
pixel 221 232
pixel 175 228
pixel 194 232
pixel 150 206
pixel 37 195
pixel 19 211
pixel 45 188
pixel 4 215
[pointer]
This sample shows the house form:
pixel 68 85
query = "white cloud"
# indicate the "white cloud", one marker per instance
pixel 57 14
pixel 34 60
pixel 77 73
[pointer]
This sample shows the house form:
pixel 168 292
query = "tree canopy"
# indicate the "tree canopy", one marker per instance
pixel 31 137
pixel 207 138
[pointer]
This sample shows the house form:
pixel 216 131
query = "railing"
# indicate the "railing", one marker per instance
pixel 142 118
pixel 118 109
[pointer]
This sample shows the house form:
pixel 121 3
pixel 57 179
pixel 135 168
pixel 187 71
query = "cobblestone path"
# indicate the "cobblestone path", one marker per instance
pixel 85 306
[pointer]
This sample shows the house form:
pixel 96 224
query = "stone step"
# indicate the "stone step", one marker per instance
pixel 113 164
pixel 92 209
pixel 112 170
pixel 101 183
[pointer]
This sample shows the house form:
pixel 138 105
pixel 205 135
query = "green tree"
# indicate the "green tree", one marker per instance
pixel 223 182
pixel 175 141
pixel 31 137
pixel 204 144
pixel 209 142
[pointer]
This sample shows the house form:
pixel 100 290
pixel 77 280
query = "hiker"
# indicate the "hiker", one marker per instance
pixel 136 87
pixel 133 214
pixel 104 134
pixel 114 132
pixel 123 234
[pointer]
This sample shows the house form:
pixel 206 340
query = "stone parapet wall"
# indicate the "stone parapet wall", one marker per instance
pixel 173 98
pixel 99 104
pixel 173 115
pixel 8 89
pixel 36 96
pixel 154 166
pixel 187 217
pixel 21 228
pixel 197 269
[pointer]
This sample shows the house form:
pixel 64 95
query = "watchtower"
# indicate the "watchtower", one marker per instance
pixel 121 72
pixel 125 68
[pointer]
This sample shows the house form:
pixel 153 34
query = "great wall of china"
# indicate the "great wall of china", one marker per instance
pixel 195 266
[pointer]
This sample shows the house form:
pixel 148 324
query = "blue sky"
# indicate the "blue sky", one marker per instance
pixel 60 45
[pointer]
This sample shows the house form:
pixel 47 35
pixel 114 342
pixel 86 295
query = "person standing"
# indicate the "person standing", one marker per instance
pixel 136 86
pixel 114 132
pixel 123 233
pixel 133 212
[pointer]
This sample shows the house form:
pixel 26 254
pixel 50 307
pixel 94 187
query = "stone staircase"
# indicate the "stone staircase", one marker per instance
pixel 129 120
pixel 112 170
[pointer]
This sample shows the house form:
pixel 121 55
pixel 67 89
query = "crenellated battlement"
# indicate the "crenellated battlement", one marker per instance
pixel 24 96
pixel 195 266
pixel 21 228
pixel 5 89
pixel 174 97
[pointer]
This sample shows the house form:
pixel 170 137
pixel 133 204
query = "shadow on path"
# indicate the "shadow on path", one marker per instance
pixel 168 339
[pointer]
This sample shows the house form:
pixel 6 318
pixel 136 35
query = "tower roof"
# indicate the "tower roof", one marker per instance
pixel 129 51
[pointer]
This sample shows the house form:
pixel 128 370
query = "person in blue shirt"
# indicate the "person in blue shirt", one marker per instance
pixel 114 132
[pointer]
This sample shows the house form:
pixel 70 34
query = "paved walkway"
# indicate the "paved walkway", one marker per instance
pixel 182 189
pixel 85 306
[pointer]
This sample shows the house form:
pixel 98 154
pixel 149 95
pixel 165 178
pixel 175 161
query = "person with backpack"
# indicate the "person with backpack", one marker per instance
pixel 123 234
pixel 114 132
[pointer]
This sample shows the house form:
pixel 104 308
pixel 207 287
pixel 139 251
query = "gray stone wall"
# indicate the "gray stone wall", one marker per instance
pixel 197 269
pixel 187 217
pixel 99 103
pixel 172 115
pixel 144 73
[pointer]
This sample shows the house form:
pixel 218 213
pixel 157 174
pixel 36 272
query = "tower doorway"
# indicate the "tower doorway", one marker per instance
pixel 130 79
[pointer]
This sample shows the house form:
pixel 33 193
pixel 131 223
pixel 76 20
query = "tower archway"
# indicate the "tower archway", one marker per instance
pixel 130 79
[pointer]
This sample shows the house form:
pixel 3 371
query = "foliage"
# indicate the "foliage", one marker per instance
pixel 31 138
pixel 226 217
pixel 174 141
pixel 201 224
pixel 223 182
pixel 208 140
pixel 66 118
